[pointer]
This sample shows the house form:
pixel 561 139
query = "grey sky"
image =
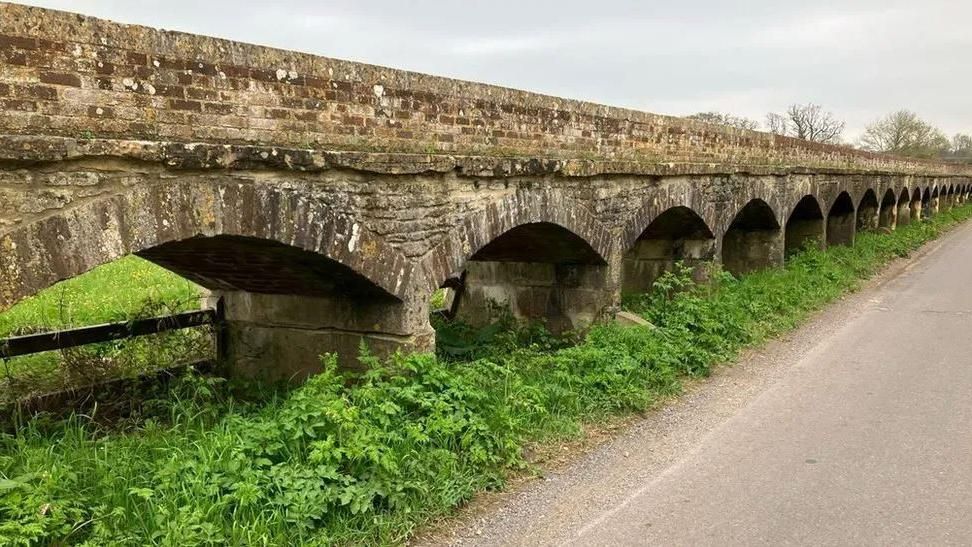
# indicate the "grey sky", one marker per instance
pixel 860 59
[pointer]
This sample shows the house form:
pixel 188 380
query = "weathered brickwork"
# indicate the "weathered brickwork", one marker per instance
pixel 325 200
pixel 68 75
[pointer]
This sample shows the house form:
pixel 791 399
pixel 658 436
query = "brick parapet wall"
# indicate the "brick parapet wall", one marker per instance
pixel 87 79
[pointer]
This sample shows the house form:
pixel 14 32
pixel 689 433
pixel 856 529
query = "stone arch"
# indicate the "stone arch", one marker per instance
pixel 678 234
pixel 935 202
pixel 297 279
pixel 153 218
pixel 805 225
pixel 926 202
pixel 449 257
pixel 904 208
pixel 752 240
pixel 542 255
pixel 888 212
pixel 841 221
pixel 867 211
pixel 653 208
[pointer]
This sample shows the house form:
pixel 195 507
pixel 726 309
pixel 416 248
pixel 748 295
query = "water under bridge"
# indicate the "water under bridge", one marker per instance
pixel 324 201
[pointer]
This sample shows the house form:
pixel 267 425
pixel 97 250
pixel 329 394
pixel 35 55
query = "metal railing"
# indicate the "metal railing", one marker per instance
pixel 28 344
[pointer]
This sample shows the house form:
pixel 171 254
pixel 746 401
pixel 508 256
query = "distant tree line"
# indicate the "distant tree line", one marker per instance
pixel 903 133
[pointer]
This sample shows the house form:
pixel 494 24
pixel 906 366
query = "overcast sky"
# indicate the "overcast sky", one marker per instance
pixel 858 58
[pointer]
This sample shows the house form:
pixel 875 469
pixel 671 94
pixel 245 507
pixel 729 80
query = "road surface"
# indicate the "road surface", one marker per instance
pixel 854 430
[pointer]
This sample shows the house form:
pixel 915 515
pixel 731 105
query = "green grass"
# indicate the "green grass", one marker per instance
pixel 366 461
pixel 119 291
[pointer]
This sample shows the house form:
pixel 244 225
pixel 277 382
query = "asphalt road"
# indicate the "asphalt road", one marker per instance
pixel 855 430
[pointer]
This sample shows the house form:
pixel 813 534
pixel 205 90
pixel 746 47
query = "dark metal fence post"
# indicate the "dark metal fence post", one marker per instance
pixel 219 328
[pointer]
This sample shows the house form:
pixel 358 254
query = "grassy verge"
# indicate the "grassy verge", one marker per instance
pixel 365 461
pixel 119 291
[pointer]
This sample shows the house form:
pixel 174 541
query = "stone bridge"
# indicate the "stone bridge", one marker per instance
pixel 325 200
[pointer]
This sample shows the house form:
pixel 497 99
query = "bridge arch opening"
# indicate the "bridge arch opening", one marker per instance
pixel 904 208
pixel 925 202
pixel 934 204
pixel 841 221
pixel 539 271
pixel 805 227
pixel 285 306
pixel 679 234
pixel 753 240
pixel 867 212
pixel 295 279
pixel 888 216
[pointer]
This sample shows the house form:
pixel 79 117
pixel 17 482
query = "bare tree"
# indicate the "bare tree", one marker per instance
pixel 777 123
pixel 720 118
pixel 904 133
pixel 806 121
pixel 962 147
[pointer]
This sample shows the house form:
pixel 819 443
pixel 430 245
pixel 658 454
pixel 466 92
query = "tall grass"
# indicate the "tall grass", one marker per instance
pixel 122 290
pixel 366 461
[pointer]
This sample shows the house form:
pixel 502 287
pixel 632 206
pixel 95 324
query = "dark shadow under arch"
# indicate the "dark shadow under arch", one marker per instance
pixel 236 263
pixel 752 242
pixel 888 213
pixel 539 242
pixel 867 211
pixel 841 221
pixel 448 258
pixel 539 271
pixel 678 234
pixel 926 203
pixel 805 226
pixel 904 208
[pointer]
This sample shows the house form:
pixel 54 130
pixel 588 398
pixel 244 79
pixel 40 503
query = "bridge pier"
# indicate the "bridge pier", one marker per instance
pixel 649 259
pixel 564 297
pixel 281 337
pixel 888 217
pixel 904 210
pixel 888 213
pixel 868 217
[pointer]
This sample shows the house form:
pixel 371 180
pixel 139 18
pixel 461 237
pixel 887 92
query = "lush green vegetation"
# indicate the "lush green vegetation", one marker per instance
pixel 119 291
pixel 364 459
